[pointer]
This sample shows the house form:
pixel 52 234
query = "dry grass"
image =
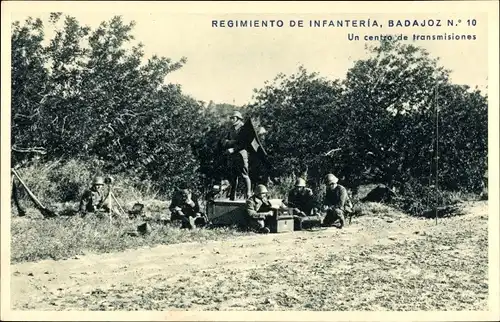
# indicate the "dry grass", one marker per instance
pixel 402 264
pixel 445 270
pixel 34 238
pixel 66 236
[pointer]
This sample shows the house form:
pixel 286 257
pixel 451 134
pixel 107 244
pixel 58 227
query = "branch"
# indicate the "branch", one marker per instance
pixel 331 151
pixel 29 117
pixel 29 150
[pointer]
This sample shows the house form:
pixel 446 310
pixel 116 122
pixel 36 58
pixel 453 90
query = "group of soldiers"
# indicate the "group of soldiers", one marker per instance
pixel 185 208
pixel 301 202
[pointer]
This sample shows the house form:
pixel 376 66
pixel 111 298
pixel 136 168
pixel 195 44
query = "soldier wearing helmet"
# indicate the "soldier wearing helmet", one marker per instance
pixel 336 202
pixel 301 199
pixel 186 208
pixel 93 199
pixel 258 208
pixel 238 156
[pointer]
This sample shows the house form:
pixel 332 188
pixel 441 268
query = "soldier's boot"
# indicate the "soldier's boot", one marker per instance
pixel 329 219
pixel 264 230
pixel 187 222
pixel 262 227
pixel 258 226
pixel 341 218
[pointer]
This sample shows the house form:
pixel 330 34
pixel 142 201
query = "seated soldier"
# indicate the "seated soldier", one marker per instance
pixel 258 208
pixel 93 200
pixel 336 202
pixel 186 209
pixel 300 199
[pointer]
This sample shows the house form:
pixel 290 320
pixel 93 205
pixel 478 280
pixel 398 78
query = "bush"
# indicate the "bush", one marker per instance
pixel 280 189
pixel 416 198
pixel 59 182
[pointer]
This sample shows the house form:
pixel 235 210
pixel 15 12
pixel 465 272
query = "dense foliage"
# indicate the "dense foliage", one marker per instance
pixel 85 95
pixel 91 95
pixel 379 124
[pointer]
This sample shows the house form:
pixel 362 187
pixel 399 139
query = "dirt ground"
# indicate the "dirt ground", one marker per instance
pixel 383 262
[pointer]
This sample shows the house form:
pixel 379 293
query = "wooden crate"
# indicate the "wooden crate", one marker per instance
pixel 281 224
pixel 225 212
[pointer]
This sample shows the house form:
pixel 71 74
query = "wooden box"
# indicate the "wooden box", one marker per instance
pixel 224 212
pixel 281 223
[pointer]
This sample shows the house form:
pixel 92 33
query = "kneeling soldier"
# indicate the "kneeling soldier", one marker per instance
pixel 336 202
pixel 301 199
pixel 258 208
pixel 186 209
pixel 94 200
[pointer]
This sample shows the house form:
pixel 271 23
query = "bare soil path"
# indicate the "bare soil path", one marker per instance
pixel 392 262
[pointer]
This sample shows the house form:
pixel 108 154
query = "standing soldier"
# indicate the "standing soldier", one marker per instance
pixel 238 156
pixel 186 209
pixel 93 200
pixel 301 199
pixel 258 208
pixel 336 202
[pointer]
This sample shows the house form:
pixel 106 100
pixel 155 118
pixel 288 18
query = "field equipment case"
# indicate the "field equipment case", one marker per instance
pixel 225 212
pixel 281 223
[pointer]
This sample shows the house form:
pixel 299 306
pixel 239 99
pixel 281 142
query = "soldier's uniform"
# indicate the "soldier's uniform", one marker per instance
pixel 186 210
pixel 301 199
pixel 238 158
pixel 257 209
pixel 93 199
pixel 336 202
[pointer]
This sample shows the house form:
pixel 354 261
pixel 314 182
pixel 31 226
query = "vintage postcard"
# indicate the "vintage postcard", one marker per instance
pixel 250 161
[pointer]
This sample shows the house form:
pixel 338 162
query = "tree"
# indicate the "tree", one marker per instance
pixel 88 94
pixel 300 115
pixel 392 100
pixel 29 79
pixel 380 122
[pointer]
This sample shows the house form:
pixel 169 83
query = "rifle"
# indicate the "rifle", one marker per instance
pixel 44 210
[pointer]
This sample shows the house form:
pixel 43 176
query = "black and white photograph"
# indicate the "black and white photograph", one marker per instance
pixel 249 160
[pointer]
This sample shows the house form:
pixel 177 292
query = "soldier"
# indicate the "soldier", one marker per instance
pixel 336 202
pixel 186 209
pixel 258 208
pixel 301 199
pixel 238 156
pixel 93 199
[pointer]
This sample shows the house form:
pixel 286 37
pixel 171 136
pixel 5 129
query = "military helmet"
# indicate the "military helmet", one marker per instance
pixel 330 178
pixel 261 189
pixel 238 115
pixel 300 182
pixel 98 181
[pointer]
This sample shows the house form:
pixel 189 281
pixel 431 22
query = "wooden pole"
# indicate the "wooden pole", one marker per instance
pixel 45 212
pixel 37 202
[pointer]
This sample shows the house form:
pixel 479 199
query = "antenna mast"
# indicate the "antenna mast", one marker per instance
pixel 437 150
